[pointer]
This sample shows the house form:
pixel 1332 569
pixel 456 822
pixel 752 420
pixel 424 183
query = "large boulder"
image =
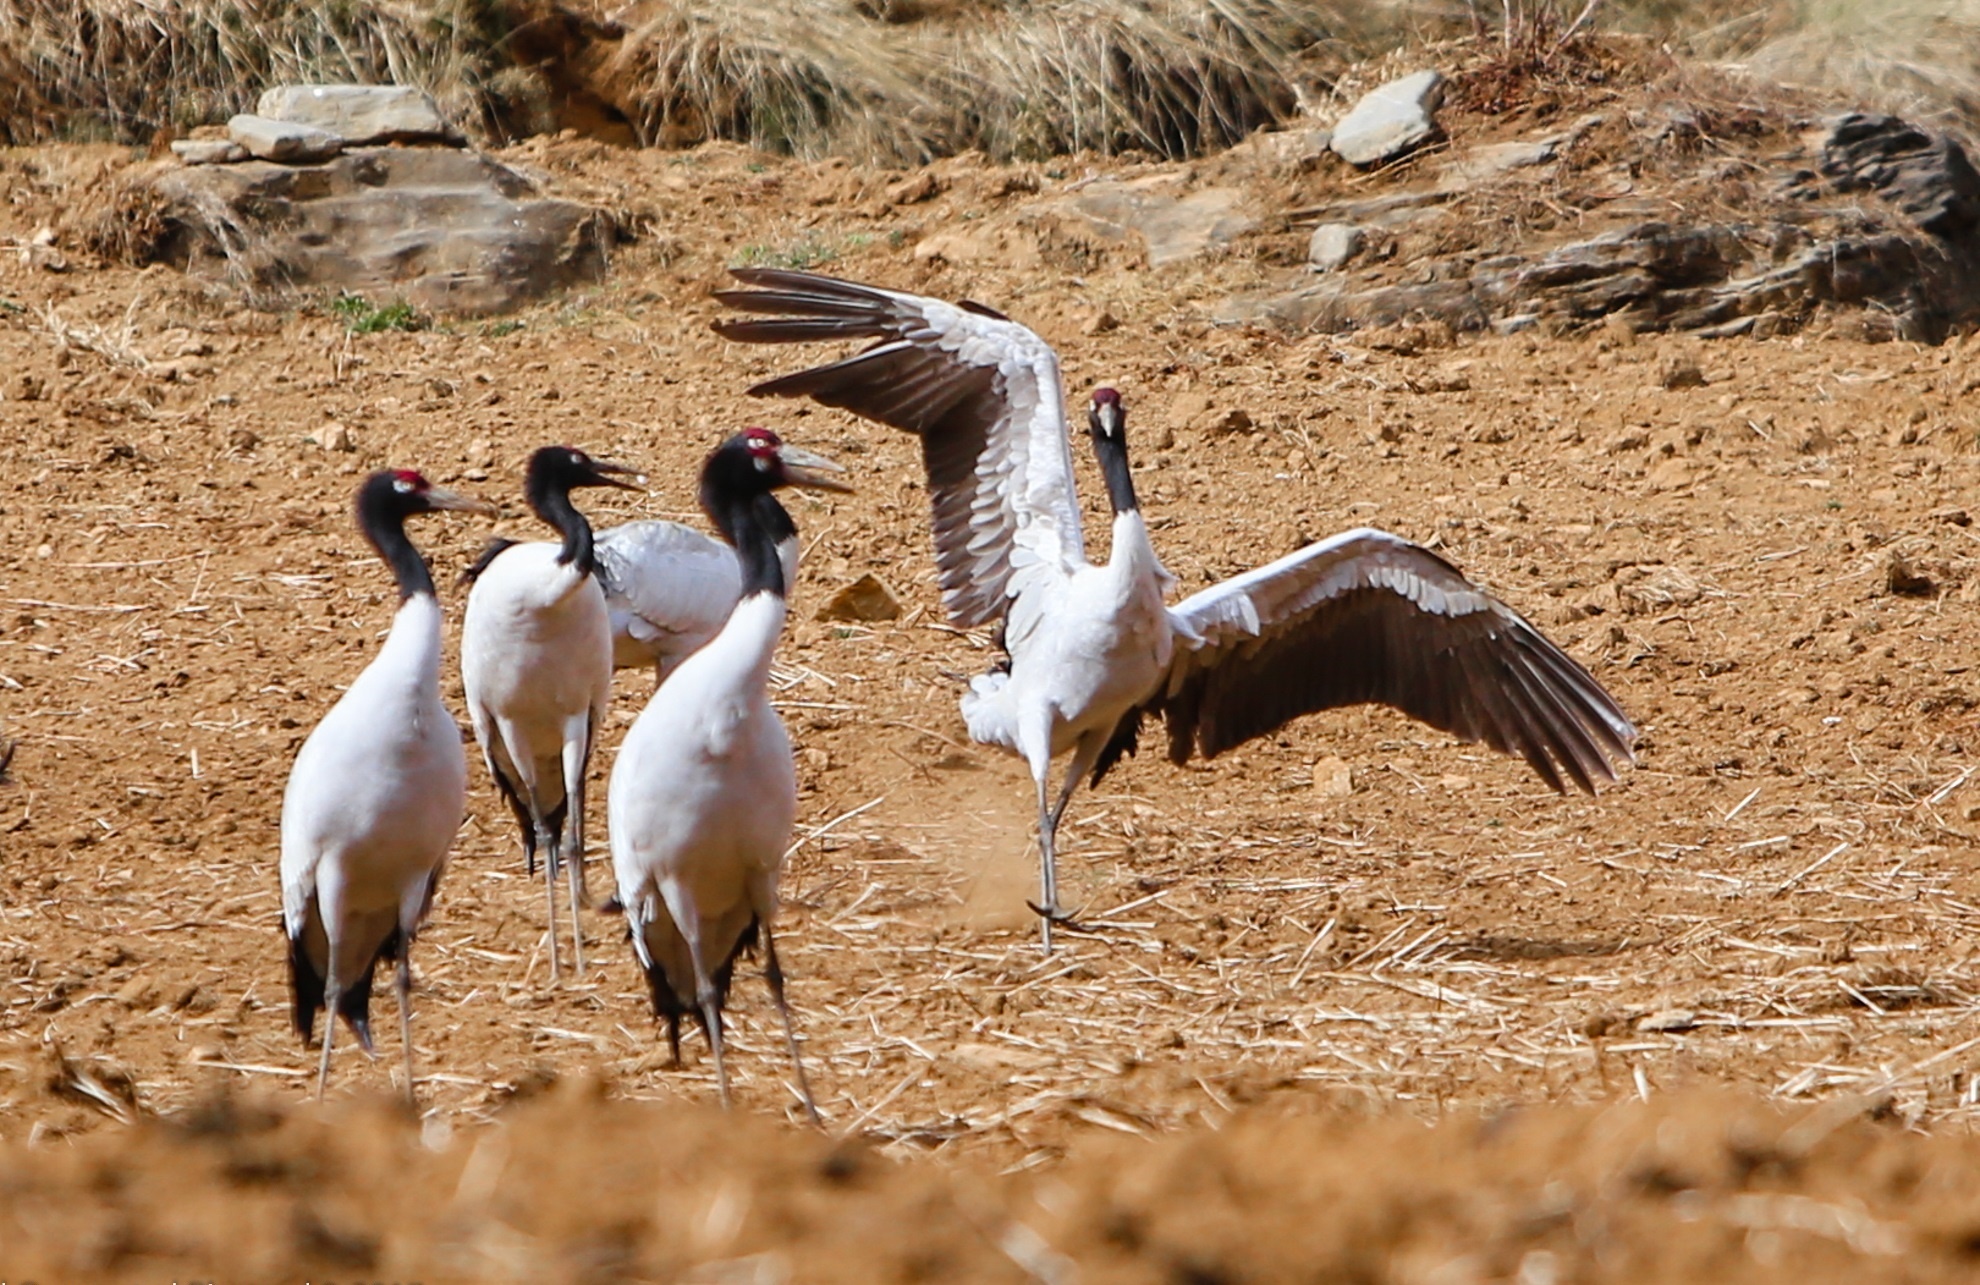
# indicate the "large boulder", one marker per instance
pixel 443 229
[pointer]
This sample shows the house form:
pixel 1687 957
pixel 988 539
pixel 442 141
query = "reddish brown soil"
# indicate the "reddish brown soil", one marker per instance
pixel 1773 571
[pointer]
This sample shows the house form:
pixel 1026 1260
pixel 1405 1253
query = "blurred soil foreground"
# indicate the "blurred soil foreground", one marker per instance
pixel 1675 357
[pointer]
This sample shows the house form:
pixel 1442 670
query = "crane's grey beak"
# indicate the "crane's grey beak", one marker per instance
pixel 439 497
pixel 1107 417
pixel 809 469
pixel 607 473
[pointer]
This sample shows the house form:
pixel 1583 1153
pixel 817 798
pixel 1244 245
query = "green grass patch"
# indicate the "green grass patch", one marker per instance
pixel 808 251
pixel 363 317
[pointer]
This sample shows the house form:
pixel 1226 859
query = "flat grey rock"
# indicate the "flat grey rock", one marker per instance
pixel 1299 148
pixel 208 151
pixel 1174 227
pixel 1390 120
pixel 358 114
pixel 1490 160
pixel 1333 244
pixel 285 141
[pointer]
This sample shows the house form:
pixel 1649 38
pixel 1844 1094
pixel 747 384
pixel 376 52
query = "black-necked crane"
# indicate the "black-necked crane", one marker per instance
pixel 703 793
pixel 1364 616
pixel 375 797
pixel 536 662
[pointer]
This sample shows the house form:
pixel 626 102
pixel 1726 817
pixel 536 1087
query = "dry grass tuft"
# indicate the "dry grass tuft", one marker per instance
pixel 1914 58
pixel 1173 79
pixel 124 70
pixel 808 77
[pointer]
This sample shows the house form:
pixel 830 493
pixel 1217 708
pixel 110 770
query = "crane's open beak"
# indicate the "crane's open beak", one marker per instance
pixel 439 497
pixel 809 469
pixel 606 473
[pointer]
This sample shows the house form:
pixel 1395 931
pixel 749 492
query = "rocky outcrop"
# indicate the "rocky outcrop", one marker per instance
pixel 1915 271
pixel 281 140
pixel 445 230
pixel 1173 225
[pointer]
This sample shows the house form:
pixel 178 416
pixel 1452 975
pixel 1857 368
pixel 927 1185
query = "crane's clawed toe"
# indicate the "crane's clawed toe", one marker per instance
pixel 1062 918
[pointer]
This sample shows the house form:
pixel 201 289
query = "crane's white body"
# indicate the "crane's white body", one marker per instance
pixel 1087 644
pixel 669 589
pixel 702 799
pixel 536 662
pixel 372 805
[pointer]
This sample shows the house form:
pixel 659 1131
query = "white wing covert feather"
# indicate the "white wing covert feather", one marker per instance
pixel 670 588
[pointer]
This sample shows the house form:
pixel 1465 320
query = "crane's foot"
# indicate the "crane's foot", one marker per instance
pixel 1057 917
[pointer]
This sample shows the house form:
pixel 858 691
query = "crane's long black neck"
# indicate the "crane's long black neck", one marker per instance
pixel 384 525
pixel 757 525
pixel 1111 451
pixel 552 502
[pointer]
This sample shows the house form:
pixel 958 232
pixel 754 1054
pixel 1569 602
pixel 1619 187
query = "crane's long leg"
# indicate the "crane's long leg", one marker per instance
pixel 575 864
pixel 774 974
pixel 1048 905
pixel 332 993
pixel 549 848
pixel 711 1016
pixel 577 754
pixel 705 996
pixel 1084 756
pixel 405 1013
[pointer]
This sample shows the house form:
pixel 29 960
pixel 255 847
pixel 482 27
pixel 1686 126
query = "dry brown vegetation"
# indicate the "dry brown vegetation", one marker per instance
pixel 888 80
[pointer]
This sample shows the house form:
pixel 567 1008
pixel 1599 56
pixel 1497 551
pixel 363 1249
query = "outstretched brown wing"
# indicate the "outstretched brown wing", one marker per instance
pixel 981 391
pixel 1369 617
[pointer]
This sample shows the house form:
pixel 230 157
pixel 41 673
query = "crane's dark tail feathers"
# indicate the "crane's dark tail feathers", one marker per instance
pixel 672 1006
pixel 1123 743
pixel 494 549
pixel 520 810
pixel 354 1005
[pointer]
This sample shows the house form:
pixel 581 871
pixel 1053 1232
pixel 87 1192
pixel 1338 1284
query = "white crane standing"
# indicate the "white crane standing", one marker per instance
pixel 375 797
pixel 1362 616
pixel 704 792
pixel 536 661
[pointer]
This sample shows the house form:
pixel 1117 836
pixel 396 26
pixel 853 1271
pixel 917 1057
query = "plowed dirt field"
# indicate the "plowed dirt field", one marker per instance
pixel 1373 1005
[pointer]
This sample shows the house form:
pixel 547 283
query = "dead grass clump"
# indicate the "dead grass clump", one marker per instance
pixel 125 69
pixel 1173 79
pixel 805 77
pixel 121 217
pixel 1914 58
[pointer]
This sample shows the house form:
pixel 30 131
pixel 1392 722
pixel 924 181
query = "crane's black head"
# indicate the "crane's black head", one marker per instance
pixel 393 495
pixel 385 500
pixel 559 470
pixel 737 485
pixel 553 473
pixel 1106 424
pixel 756 462
pixel 1106 418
